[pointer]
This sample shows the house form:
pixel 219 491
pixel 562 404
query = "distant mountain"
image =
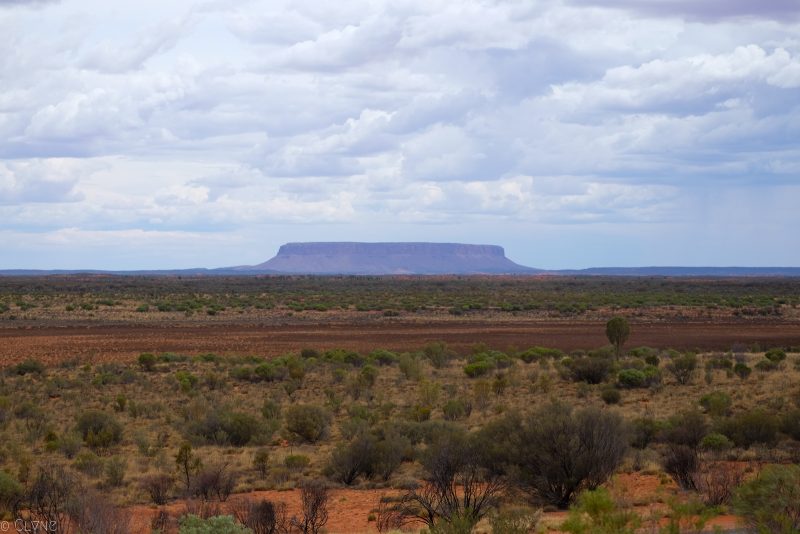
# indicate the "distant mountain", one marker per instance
pixel 350 258
pixel 390 258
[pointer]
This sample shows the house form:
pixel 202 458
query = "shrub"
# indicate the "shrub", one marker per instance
pixel 438 354
pixel 115 471
pixel 261 462
pixel 147 361
pixel 631 378
pixel 748 428
pixel 214 481
pixel 515 520
pixel 186 380
pixel 307 422
pixel 610 394
pixel 10 492
pixel 89 464
pixel 221 524
pixel 742 370
pixel 681 463
pixel 595 512
pixel 771 501
pixel 158 487
pixel 686 428
pixel 683 367
pixel 556 452
pixel 410 367
pixel 262 517
pixel 28 367
pixel 99 429
pixel 241 428
pixel 790 424
pixel 538 353
pixel 775 355
pixel 296 462
pixel 456 409
pixel 766 366
pixel 716 442
pixel 271 409
pixel 478 368
pixel 590 369
pixel 716 403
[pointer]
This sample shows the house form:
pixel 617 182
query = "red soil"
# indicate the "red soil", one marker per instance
pixel 106 343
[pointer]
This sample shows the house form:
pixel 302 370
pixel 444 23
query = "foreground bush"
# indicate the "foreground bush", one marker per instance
pixel 99 429
pixel 771 502
pixel 595 512
pixel 556 452
pixel 221 524
pixel 307 422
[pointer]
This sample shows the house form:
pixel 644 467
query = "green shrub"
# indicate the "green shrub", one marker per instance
pixel 27 367
pixel 610 394
pixel 10 492
pixel 89 464
pixel 147 361
pixel 742 370
pixel 716 442
pixel 775 355
pixel 538 353
pixel 271 409
pixel 515 520
pixel 631 378
pixel 716 403
pixel 307 422
pixel 383 357
pixel 589 369
pixel 596 512
pixel 115 471
pixel 457 409
pixel 790 424
pixel 296 462
pixel 766 366
pixel 410 367
pixel 771 501
pixel 186 380
pixel 479 368
pixel 99 429
pixel 683 367
pixel 748 428
pixel 221 524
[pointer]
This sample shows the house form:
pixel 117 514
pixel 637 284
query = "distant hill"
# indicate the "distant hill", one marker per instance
pixel 390 258
pixel 352 258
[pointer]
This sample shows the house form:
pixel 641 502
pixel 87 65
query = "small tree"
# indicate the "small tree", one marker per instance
pixel 314 499
pixel 187 463
pixel 617 332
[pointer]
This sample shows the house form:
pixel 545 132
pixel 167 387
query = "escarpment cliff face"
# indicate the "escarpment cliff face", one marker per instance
pixel 390 258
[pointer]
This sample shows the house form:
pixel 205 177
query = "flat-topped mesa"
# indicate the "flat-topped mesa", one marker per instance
pixel 391 258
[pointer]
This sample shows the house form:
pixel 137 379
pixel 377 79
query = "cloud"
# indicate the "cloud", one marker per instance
pixel 423 119
pixel 26 2
pixel 706 11
pixel 40 181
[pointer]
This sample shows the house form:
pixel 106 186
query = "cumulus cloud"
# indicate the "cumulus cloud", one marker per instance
pixel 366 118
pixel 40 181
pixel 707 10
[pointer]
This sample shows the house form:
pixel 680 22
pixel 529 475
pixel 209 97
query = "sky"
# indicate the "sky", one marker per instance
pixel 574 133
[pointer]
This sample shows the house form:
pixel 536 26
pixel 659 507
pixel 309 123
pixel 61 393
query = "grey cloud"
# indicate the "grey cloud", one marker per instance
pixel 27 2
pixel 114 58
pixel 705 10
pixel 37 181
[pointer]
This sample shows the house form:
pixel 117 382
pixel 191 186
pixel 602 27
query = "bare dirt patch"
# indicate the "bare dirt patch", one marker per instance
pixel 52 344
